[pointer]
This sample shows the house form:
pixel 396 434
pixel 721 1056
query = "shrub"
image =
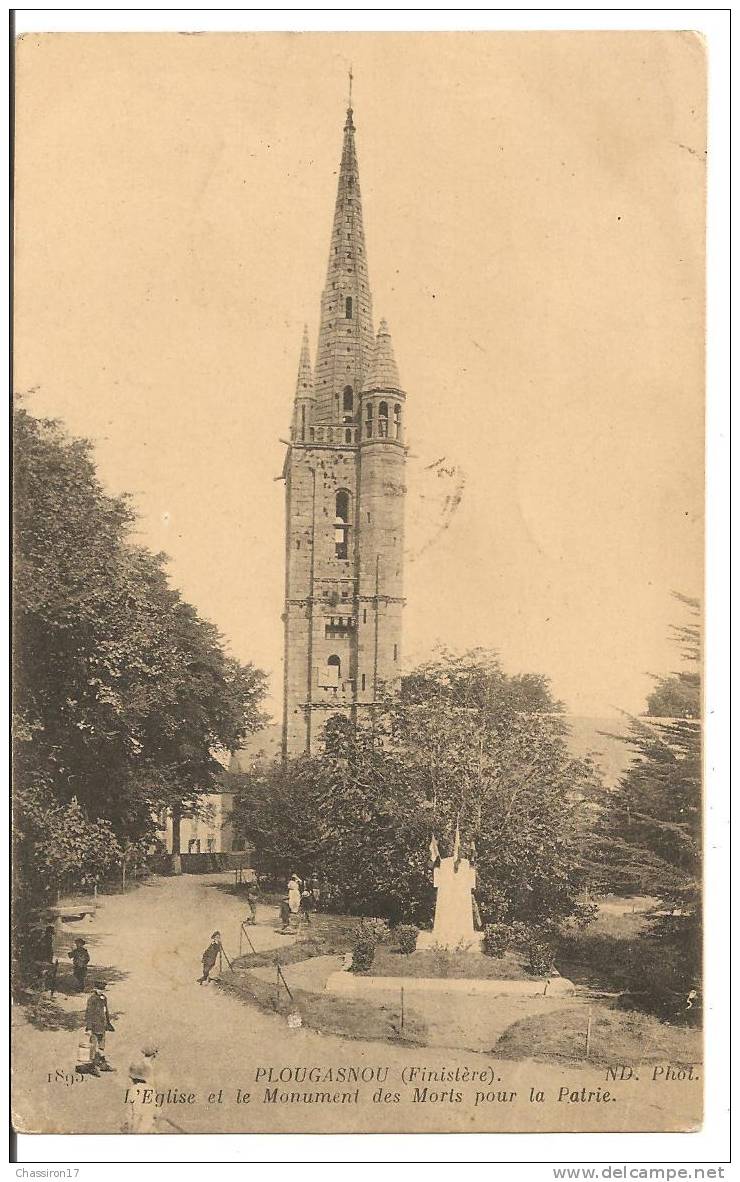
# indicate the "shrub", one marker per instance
pixel 496 939
pixel 407 936
pixel 367 935
pixel 363 955
pixel 374 930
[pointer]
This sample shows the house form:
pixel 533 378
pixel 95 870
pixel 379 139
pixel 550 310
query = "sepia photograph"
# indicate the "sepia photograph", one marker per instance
pixel 358 587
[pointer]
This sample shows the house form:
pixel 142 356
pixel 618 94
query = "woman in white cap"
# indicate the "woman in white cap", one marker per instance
pixel 294 894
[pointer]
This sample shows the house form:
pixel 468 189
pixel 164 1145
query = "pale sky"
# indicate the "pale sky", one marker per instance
pixel 533 208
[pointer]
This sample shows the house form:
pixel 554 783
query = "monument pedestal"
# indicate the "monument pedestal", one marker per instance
pixel 358 985
pixel 470 942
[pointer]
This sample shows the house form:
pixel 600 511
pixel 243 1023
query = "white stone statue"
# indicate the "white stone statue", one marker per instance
pixel 453 914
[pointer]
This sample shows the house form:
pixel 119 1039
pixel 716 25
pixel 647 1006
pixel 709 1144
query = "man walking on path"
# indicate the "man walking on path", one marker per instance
pixel 209 958
pixel 97 1021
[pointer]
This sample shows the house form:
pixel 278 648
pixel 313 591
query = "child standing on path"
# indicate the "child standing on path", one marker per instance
pixel 209 958
pixel 97 1021
pixel 80 960
pixel 253 892
pixel 285 914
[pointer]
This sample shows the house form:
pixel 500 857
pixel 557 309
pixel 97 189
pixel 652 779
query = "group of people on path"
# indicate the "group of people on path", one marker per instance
pixel 301 899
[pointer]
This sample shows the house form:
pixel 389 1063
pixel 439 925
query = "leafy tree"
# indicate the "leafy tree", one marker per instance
pixel 463 742
pixel 123 694
pixel 490 750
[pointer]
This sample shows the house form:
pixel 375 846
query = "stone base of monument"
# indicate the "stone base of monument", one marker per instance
pixel 359 985
pixel 470 942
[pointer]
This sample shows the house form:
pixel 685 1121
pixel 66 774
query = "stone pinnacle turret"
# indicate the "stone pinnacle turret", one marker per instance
pixel 383 373
pixel 304 392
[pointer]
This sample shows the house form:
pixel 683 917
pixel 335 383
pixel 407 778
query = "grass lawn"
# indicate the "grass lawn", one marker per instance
pixel 595 957
pixel 428 962
pixel 331 1014
pixel 617 1036
pixel 326 934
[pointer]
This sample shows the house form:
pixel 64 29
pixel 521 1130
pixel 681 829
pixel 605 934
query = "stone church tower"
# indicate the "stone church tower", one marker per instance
pixel 344 498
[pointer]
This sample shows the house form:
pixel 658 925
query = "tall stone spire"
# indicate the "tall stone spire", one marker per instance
pixel 304 393
pixel 346 337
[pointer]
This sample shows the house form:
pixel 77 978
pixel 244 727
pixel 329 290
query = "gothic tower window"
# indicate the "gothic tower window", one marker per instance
pixel 397 421
pixel 341 524
pixel 383 420
pixel 369 420
pixel 333 670
pixel 348 404
pixel 348 308
pixel 303 423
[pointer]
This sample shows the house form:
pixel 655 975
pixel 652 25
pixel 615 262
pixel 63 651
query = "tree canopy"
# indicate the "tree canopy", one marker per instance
pixel 123 694
pixel 462 743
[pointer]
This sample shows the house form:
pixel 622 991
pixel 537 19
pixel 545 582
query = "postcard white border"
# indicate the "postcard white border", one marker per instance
pixel 520 1151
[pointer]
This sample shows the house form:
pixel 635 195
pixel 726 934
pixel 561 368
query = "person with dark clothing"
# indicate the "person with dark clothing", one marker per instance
pixel 285 914
pixel 209 958
pixel 253 892
pixel 314 885
pixel 98 1023
pixel 80 960
pixel 307 903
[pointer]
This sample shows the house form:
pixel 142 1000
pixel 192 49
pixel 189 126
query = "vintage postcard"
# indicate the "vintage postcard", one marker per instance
pixel 358 535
